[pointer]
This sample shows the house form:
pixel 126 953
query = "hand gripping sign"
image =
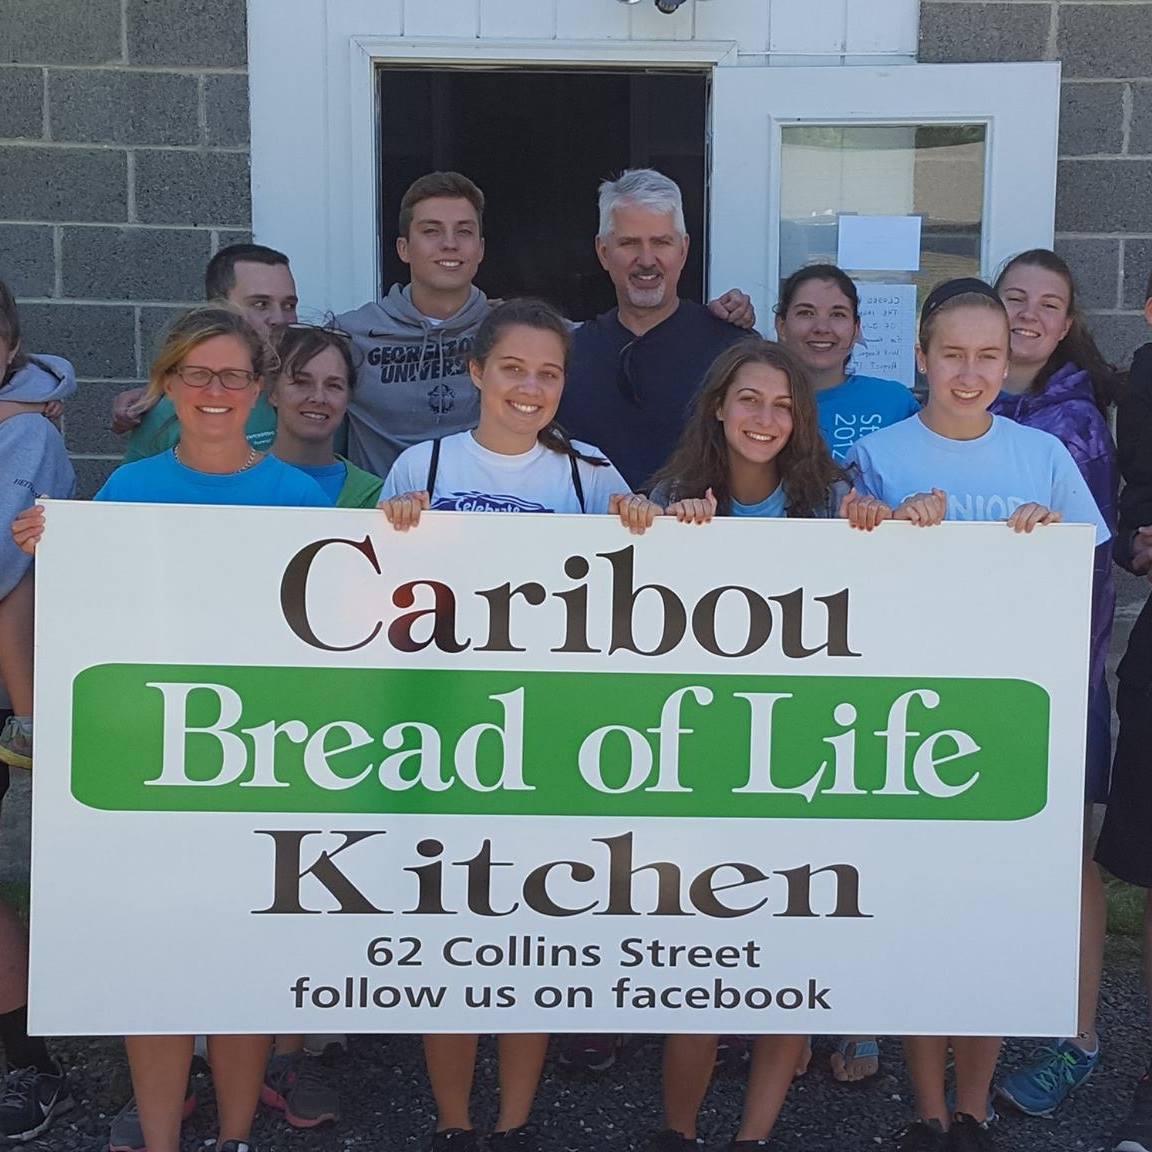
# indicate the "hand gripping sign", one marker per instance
pixel 509 773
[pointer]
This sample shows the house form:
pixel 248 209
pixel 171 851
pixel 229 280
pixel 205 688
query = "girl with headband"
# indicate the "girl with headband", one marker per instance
pixel 963 463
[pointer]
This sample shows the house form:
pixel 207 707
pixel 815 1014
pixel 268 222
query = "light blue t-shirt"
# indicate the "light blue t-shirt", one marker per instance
pixel 330 477
pixel 860 406
pixel 985 479
pixel 775 505
pixel 270 483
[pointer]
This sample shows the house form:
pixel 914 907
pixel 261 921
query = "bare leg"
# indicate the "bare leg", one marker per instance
pixel 17 613
pixel 160 1066
pixel 521 1062
pixel 13 960
pixel 451 1064
pixel 1093 928
pixel 805 1057
pixel 773 1067
pixel 976 1058
pixel 688 1065
pixel 238 1064
pixel 926 1057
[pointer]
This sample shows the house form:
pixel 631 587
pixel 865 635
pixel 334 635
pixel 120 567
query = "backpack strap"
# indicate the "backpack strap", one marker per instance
pixel 577 483
pixel 433 468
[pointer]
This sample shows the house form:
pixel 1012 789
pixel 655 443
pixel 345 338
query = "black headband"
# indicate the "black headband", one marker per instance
pixel 964 286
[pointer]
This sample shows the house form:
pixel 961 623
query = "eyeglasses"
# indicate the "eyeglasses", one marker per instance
pixel 234 379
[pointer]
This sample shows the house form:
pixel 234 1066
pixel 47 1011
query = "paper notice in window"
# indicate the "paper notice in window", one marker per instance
pixel 888 323
pixel 879 243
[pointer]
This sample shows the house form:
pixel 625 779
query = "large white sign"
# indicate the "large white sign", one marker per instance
pixel 297 772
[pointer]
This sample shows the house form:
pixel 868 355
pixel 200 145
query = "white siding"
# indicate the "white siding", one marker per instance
pixel 792 31
pixel 321 63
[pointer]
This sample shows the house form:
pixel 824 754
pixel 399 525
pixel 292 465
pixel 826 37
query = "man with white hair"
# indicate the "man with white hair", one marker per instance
pixel 634 369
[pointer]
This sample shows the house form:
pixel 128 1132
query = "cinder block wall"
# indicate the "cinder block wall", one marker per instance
pixel 123 167
pixel 1104 189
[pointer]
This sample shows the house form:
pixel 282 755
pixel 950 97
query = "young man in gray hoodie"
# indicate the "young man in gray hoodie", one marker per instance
pixel 414 344
pixel 413 382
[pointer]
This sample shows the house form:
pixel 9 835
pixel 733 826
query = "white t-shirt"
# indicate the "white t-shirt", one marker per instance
pixel 986 479
pixel 470 478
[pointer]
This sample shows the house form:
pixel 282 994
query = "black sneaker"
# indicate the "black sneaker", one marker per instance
pixel 235 1146
pixel 30 1101
pixel 672 1141
pixel 922 1136
pixel 588 1053
pixel 747 1145
pixel 455 1140
pixel 1135 1134
pixel 521 1139
pixel 967 1134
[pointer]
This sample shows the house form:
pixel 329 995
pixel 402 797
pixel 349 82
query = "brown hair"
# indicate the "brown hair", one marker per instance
pixel 451 185
pixel 10 333
pixel 1078 346
pixel 700 460
pixel 944 299
pixel 220 274
pixel 828 273
pixel 538 314
pixel 191 330
pixel 301 343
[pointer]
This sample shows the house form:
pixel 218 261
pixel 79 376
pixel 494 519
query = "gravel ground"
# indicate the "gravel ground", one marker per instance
pixel 387 1104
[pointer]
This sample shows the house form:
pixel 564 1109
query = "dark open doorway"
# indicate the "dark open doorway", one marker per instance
pixel 538 142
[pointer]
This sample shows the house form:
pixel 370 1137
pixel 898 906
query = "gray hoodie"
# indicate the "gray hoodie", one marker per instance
pixel 33 460
pixel 412 384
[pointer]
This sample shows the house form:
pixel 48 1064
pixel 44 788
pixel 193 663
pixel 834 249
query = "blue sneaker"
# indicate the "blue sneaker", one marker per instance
pixel 1044 1085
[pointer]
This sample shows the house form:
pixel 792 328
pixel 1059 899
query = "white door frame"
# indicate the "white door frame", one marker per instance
pixel 315 161
pixel 1018 102
pixel 315 135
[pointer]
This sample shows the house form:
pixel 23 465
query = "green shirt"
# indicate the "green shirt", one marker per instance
pixel 361 489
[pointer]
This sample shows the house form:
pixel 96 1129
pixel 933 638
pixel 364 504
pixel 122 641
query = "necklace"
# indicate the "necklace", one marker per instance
pixel 252 457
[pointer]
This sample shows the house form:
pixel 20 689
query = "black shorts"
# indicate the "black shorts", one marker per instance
pixel 1125 844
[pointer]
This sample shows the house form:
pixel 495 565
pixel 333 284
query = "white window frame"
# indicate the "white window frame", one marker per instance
pixel 1019 103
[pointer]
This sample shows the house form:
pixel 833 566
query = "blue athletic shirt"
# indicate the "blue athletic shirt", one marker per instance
pixel 162 479
pixel 330 477
pixel 985 479
pixel 775 505
pixel 860 406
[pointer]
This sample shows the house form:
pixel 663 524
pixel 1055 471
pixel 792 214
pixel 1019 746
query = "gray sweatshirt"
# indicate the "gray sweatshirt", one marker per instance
pixel 33 460
pixel 412 383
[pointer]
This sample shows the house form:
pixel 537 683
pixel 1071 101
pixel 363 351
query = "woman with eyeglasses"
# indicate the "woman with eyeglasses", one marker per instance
pixel 211 366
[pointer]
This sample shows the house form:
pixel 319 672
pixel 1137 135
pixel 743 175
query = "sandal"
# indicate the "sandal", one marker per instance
pixel 864 1052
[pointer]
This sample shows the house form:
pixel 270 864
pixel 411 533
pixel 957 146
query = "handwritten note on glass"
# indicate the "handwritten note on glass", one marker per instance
pixel 888 322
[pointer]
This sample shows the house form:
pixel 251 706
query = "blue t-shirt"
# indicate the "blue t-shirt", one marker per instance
pixel 859 406
pixel 985 479
pixel 270 483
pixel 774 505
pixel 330 477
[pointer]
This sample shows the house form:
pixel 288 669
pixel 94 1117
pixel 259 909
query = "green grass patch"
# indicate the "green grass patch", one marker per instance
pixel 1125 907
pixel 15 894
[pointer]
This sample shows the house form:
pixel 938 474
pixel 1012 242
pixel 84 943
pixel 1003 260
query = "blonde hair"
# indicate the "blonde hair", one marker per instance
pixel 191 330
